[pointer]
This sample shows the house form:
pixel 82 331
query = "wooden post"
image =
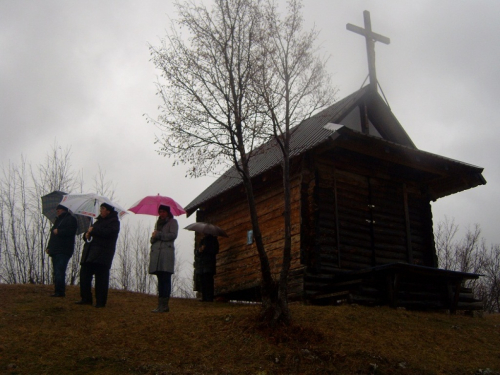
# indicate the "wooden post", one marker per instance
pixel 365 121
pixel 456 297
pixel 337 225
pixel 409 248
pixel 371 208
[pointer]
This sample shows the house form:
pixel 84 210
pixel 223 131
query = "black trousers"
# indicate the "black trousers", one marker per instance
pixel 164 284
pixel 207 286
pixel 101 272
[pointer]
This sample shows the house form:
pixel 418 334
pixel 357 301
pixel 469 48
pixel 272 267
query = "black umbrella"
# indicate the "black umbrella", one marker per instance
pixel 206 228
pixel 49 204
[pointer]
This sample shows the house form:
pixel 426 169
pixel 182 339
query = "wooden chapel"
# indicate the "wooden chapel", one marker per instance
pixel 362 228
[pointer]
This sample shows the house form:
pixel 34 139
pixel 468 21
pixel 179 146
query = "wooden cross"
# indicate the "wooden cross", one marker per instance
pixel 371 38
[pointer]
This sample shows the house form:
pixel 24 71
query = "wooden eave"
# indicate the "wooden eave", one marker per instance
pixel 415 269
pixel 444 176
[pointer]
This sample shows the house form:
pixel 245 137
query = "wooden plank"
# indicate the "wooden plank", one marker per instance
pixel 409 248
pixel 337 221
pixel 455 297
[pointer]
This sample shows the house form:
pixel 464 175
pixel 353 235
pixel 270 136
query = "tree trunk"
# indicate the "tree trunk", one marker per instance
pixel 274 301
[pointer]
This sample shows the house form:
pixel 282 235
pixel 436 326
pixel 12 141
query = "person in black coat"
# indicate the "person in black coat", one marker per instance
pixel 206 265
pixel 97 256
pixel 60 247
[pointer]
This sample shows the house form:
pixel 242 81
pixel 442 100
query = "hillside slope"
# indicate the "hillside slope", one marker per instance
pixel 43 335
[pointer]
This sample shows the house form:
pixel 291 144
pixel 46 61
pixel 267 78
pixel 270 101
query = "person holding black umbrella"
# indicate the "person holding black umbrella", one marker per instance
pixel 206 265
pixel 205 258
pixel 60 247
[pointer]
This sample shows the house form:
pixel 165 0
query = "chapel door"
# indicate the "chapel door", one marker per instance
pixel 388 224
pixel 371 221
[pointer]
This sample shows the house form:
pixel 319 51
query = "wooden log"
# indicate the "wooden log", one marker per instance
pixel 470 306
pixel 340 295
pixel 329 267
pixel 365 300
pixel 422 305
pixel 393 259
pixel 349 264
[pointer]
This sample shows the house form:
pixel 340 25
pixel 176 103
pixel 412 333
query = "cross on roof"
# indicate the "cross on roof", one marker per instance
pixel 371 38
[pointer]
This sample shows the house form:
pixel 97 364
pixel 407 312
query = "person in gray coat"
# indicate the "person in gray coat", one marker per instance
pixel 162 257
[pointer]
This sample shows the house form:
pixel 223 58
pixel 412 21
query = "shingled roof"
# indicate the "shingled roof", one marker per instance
pixel 313 132
pixel 305 136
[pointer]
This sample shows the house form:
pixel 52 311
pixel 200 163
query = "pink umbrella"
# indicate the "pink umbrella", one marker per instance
pixel 149 205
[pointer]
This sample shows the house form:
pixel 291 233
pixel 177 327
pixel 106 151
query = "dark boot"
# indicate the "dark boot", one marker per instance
pixel 162 305
pixel 159 306
pixel 84 302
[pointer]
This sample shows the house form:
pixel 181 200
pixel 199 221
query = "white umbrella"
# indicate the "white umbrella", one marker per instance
pixel 89 204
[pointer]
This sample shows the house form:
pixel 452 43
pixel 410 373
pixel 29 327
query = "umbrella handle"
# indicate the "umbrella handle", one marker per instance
pixel 90 224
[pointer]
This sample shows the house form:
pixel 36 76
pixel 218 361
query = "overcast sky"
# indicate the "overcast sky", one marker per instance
pixel 78 73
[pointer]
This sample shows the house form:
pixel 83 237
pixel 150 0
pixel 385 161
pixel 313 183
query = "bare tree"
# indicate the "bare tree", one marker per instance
pixel 471 254
pixel 56 173
pixel 490 288
pixel 181 285
pixel 465 255
pixel 141 249
pixel 102 186
pixel 293 84
pixel 24 230
pixel 218 106
pixel 444 235
pixel 471 251
pixel 21 234
pixel 12 258
pixel 125 261
pixel 73 276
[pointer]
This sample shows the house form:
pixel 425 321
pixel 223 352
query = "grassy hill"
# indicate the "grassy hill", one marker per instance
pixel 43 335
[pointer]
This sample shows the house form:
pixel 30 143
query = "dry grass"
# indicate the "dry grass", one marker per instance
pixel 43 335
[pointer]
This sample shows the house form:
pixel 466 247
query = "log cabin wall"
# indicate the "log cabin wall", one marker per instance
pixel 372 211
pixel 238 265
pixel 367 213
pixel 421 224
